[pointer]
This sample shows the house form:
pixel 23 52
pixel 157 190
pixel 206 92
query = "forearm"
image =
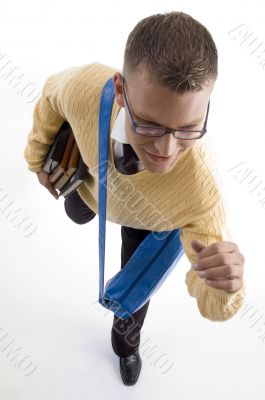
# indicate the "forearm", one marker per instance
pixel 47 120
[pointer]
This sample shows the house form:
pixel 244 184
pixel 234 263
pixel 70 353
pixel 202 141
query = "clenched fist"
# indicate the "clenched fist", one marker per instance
pixel 221 264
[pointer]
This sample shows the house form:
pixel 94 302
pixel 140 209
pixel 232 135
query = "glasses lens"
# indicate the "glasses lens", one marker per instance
pixel 149 131
pixel 187 134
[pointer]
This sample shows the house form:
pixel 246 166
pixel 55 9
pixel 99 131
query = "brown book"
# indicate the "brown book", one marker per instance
pixel 71 167
pixel 60 169
pixel 76 179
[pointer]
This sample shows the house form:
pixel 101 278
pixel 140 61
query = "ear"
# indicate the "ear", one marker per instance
pixel 118 92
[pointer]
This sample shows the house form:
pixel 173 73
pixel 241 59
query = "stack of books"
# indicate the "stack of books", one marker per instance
pixel 64 163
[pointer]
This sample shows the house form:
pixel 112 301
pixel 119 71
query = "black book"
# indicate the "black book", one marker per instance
pixel 56 150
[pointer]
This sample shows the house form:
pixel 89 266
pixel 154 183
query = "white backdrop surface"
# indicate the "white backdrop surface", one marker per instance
pixel 47 299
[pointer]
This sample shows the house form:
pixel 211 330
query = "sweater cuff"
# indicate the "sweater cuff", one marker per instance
pixel 214 304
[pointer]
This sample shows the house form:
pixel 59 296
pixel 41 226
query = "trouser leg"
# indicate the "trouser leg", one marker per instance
pixel 125 333
pixel 77 210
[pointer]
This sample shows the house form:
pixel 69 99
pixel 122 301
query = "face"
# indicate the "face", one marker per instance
pixel 153 104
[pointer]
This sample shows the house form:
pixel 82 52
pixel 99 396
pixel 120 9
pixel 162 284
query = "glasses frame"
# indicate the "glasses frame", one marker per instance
pixel 166 130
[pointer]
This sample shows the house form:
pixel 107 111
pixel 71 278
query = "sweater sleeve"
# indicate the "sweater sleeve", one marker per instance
pixel 48 116
pixel 213 304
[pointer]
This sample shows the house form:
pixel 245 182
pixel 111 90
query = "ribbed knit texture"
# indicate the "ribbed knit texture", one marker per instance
pixel 187 197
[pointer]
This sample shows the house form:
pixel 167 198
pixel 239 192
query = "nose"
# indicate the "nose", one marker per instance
pixel 165 145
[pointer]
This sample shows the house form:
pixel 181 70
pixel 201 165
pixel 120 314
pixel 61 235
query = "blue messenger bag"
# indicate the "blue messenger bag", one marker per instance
pixel 155 257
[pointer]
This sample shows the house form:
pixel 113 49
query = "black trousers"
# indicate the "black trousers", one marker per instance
pixel 125 334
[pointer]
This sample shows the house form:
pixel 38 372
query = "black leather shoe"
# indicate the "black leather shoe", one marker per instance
pixel 130 368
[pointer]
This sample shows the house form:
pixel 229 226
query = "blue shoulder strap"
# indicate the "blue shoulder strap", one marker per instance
pixel 105 110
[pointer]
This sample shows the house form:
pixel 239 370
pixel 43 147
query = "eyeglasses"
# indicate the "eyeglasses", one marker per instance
pixel 183 134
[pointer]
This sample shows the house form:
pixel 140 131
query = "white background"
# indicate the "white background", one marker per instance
pixel 49 280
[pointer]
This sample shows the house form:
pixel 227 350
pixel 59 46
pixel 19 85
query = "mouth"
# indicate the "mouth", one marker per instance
pixel 158 158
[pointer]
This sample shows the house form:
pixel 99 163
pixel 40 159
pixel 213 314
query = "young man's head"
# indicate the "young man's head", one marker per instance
pixel 169 71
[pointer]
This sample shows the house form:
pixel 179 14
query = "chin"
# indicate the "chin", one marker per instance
pixel 159 169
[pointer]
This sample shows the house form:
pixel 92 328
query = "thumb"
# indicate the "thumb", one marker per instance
pixel 197 245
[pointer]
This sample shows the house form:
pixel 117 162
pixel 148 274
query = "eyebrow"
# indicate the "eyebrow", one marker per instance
pixel 156 123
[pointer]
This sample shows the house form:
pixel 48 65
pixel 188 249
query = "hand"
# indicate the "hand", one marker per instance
pixel 221 264
pixel 44 180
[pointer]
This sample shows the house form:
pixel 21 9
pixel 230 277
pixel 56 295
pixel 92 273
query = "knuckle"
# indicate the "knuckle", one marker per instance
pixel 236 247
pixel 229 270
pixel 223 259
pixel 216 247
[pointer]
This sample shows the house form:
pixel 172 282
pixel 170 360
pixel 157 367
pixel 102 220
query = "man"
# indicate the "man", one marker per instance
pixel 158 178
